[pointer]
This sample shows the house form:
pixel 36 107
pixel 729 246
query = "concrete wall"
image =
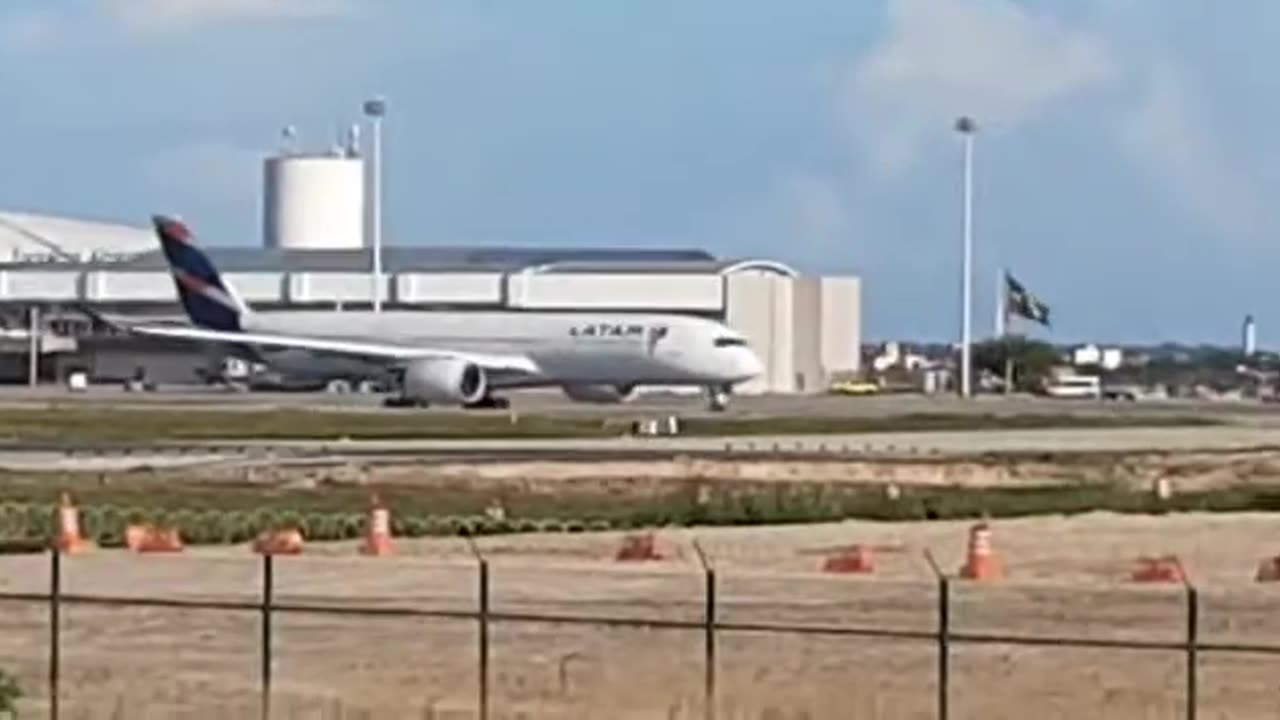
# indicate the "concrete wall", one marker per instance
pixel 449 288
pixel 827 320
pixel 807 319
pixel 841 300
pixel 759 305
pixel 616 291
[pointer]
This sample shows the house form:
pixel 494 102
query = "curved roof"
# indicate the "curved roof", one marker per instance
pixel 773 266
pixel 32 237
pixel 710 266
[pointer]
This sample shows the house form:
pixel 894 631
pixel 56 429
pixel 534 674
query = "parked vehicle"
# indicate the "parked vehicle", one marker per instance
pixel 1074 386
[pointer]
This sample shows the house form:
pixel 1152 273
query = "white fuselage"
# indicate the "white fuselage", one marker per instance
pixel 569 348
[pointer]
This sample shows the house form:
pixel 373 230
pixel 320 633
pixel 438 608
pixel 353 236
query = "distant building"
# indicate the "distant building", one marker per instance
pixel 1092 355
pixel 893 356
pixel 1249 337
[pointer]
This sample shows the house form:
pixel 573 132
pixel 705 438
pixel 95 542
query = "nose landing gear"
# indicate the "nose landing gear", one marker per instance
pixel 718 398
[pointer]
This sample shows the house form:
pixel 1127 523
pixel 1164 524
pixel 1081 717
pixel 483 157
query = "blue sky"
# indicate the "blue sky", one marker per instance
pixel 1125 170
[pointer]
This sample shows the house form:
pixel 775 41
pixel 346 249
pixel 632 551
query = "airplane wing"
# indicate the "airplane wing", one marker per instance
pixel 386 353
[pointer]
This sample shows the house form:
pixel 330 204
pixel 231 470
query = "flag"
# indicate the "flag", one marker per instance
pixel 1022 303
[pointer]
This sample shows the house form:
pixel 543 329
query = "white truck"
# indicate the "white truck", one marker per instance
pixel 1074 386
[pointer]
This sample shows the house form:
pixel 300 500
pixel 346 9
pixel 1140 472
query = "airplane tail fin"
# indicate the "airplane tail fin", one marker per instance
pixel 208 300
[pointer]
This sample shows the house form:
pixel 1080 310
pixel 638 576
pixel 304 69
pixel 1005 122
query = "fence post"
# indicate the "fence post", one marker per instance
pixel 709 625
pixel 944 637
pixel 483 617
pixel 1193 643
pixel 268 592
pixel 55 629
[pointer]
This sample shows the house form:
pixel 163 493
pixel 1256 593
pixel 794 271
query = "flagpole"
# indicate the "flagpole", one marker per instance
pixel 966 127
pixel 1000 303
pixel 1002 321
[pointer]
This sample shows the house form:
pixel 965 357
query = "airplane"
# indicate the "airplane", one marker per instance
pixel 458 358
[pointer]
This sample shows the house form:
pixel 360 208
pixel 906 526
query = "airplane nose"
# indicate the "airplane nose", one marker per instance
pixel 750 364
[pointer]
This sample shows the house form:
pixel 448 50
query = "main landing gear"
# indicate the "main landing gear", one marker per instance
pixel 487 402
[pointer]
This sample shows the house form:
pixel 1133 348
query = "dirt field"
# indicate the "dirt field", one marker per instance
pixel 1067 577
pixel 1188 470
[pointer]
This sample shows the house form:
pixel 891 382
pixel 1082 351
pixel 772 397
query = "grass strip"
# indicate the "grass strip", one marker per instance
pixel 226 514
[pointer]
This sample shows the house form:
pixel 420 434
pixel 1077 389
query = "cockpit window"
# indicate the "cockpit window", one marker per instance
pixel 730 342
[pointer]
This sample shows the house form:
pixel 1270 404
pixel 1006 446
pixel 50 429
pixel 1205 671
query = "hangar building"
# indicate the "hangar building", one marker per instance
pixel 807 330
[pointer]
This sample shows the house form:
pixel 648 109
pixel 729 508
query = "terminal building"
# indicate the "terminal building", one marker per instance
pixel 315 254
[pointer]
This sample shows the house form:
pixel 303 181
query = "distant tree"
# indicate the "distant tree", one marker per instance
pixel 1032 359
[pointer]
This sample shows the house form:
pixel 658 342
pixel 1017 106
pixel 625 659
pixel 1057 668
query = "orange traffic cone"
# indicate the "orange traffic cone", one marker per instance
pixel 151 539
pixel 857 559
pixel 377 536
pixel 69 540
pixel 982 564
pixel 278 542
pixel 639 548
pixel 1159 569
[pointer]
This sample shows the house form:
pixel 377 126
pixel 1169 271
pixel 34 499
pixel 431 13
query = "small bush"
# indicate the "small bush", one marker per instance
pixel 467 526
pixel 486 525
pixel 113 525
pixel 289 520
pixel 10 694
pixel 315 526
pixel 351 526
pixel 263 519
pixel 416 527
pixel 40 521
pixel 236 526
pixel 213 528
pixel 191 528
pixel 550 525
pixel 436 526
pixel 526 525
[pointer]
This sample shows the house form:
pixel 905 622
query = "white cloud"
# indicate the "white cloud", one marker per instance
pixel 166 15
pixel 49 29
pixel 992 59
pixel 1167 134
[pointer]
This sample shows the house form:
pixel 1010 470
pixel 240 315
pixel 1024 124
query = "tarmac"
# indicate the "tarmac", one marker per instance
pixel 684 404
pixel 839 447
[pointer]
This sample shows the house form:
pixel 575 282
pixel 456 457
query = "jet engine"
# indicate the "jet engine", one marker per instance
pixel 600 393
pixel 444 380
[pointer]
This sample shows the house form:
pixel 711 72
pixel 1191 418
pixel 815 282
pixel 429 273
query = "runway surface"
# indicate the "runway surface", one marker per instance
pixel 690 405
pixel 940 445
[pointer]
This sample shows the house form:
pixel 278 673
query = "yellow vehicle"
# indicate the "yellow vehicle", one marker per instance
pixel 854 387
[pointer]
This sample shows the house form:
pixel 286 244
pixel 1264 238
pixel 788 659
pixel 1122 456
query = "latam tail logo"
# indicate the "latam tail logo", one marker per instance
pixel 204 297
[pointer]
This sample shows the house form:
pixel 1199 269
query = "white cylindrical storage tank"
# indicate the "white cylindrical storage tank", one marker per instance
pixel 1249 341
pixel 313 202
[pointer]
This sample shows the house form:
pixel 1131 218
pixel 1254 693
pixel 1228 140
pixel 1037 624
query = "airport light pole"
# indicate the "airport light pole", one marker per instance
pixel 967 128
pixel 375 109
